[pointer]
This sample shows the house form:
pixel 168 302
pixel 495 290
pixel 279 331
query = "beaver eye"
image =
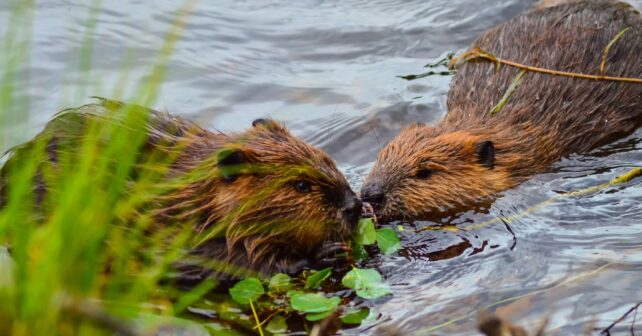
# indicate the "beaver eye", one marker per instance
pixel 424 173
pixel 302 186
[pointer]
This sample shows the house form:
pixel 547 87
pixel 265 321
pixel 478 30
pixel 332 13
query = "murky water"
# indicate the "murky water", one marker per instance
pixel 329 70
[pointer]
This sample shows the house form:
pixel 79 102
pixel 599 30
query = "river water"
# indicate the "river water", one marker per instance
pixel 329 70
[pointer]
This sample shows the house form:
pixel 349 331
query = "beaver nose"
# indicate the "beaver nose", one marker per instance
pixel 373 194
pixel 352 208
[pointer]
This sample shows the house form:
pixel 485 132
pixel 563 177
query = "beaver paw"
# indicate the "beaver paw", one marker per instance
pixel 337 255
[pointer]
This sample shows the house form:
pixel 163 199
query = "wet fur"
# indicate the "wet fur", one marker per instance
pixel 264 225
pixel 546 118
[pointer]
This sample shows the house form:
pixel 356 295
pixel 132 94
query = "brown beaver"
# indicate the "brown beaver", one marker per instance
pixel 472 153
pixel 280 204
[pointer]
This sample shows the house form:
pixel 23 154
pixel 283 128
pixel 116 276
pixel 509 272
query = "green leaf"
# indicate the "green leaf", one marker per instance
pixel 356 317
pixel 315 280
pixel 366 234
pixel 279 282
pixel 366 282
pixel 388 241
pixel 312 302
pixel 359 252
pixel 319 316
pixel 247 290
pixel 277 325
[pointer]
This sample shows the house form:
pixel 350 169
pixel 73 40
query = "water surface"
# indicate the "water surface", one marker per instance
pixel 329 69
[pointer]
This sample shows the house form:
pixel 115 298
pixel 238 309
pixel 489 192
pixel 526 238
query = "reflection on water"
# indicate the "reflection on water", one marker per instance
pixel 329 70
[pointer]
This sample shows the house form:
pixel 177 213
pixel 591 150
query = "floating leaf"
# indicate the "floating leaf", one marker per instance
pixel 315 280
pixel 247 290
pixel 319 316
pixel 366 234
pixel 356 317
pixel 279 282
pixel 312 302
pixel 277 325
pixel 388 241
pixel 366 282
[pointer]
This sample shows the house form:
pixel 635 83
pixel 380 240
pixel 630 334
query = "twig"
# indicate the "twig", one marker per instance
pixel 426 74
pixel 608 47
pixel 477 53
pixel 513 86
pixel 626 177
pixel 327 326
pixel 256 318
pixel 493 325
pixel 635 316
pixel 607 330
pixel 279 310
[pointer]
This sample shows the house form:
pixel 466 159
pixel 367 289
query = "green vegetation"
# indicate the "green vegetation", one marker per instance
pixel 80 263
pixel 84 261
pixel 287 297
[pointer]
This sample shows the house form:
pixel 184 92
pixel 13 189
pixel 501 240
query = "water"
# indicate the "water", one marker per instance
pixel 329 69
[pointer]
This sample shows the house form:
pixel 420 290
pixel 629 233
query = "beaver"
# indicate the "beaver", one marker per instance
pixel 472 153
pixel 280 204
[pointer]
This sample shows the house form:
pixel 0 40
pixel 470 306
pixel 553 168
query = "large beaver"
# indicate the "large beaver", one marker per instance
pixel 278 203
pixel 473 153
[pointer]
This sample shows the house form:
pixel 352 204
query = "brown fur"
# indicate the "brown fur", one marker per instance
pixel 547 117
pixel 252 215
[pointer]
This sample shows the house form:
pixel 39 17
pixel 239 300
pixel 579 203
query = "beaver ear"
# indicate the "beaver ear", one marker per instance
pixel 485 151
pixel 228 162
pixel 269 124
pixel 274 128
pixel 260 121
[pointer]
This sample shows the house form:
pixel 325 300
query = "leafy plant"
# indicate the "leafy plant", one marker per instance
pixel 356 316
pixel 280 282
pixel 314 281
pixel 288 296
pixel 247 290
pixel 367 283
pixel 386 238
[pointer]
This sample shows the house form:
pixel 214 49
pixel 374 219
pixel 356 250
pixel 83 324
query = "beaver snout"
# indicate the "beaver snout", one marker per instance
pixel 373 193
pixel 352 208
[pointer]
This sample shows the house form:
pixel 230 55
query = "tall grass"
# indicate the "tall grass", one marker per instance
pixel 79 261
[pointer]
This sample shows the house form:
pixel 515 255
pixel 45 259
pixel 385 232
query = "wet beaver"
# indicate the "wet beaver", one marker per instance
pixel 473 153
pixel 280 204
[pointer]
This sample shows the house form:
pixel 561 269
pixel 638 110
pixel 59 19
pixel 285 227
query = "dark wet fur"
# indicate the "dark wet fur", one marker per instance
pixel 282 231
pixel 546 118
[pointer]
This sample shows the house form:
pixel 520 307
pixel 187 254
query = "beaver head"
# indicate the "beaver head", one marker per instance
pixel 272 197
pixel 423 172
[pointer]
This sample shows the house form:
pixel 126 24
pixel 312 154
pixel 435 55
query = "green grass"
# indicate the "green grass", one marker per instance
pixel 80 263
pixel 84 259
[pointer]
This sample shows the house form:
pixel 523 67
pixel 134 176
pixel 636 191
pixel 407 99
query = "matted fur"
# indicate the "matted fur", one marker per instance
pixel 255 220
pixel 546 117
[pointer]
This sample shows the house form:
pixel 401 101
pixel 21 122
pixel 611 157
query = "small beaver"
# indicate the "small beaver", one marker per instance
pixel 472 153
pixel 280 204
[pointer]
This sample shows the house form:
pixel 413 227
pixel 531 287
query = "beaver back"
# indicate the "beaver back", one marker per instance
pixel 577 114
